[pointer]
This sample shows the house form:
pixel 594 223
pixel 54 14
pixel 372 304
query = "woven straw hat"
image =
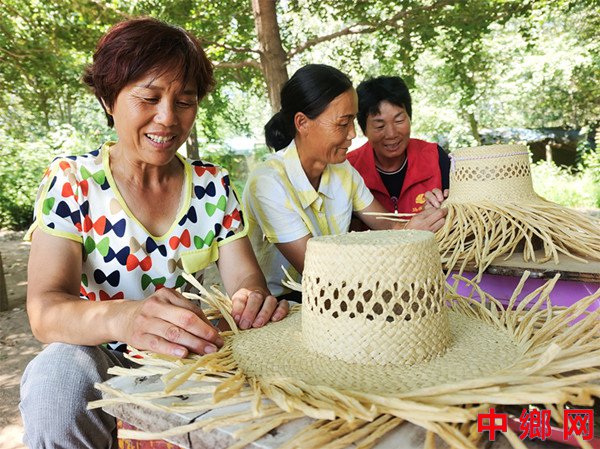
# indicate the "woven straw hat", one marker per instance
pixel 374 320
pixel 494 211
pixel 378 341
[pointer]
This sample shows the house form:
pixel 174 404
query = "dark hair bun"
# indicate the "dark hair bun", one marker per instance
pixel 277 133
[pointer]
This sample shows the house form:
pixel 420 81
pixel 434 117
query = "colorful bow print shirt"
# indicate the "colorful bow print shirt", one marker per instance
pixel 79 200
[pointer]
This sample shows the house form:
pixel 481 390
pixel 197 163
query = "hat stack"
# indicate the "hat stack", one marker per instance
pixel 379 341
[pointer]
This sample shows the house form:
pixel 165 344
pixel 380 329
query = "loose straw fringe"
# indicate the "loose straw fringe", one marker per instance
pixel 392 216
pixel 479 233
pixel 560 364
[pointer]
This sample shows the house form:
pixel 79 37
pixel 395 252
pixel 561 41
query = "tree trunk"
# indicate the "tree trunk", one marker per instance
pixel 191 144
pixel 3 295
pixel 272 56
pixel 549 157
pixel 474 126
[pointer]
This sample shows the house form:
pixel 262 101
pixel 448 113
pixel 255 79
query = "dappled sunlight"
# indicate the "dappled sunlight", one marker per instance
pixel 10 380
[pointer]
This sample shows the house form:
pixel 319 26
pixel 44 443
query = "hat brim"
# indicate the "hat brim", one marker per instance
pixel 478 233
pixel 478 348
pixel 494 354
pixel 556 360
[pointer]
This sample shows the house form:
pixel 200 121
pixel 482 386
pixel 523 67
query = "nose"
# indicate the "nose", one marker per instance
pixel 351 131
pixel 390 131
pixel 166 114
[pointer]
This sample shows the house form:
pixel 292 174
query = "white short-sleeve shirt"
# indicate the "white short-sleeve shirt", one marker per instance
pixel 281 206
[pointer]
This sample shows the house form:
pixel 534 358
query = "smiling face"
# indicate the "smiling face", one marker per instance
pixel 330 134
pixel 389 133
pixel 153 117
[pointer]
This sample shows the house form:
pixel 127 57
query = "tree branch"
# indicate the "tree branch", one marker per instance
pixel 362 28
pixel 230 48
pixel 13 55
pixel 238 65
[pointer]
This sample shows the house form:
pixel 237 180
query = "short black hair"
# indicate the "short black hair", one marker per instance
pixel 310 90
pixel 372 92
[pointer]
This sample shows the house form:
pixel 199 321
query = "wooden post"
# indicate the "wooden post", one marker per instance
pixel 3 294
pixel 548 152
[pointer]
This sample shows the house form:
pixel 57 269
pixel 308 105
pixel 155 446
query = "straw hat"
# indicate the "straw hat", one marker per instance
pixel 379 340
pixel 493 211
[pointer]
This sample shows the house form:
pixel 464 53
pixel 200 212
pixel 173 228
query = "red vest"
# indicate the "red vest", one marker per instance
pixel 422 174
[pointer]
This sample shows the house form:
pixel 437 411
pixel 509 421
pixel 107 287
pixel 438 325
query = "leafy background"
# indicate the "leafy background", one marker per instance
pixel 474 67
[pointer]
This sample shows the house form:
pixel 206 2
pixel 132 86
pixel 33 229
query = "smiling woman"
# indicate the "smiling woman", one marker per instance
pixel 116 229
pixel 397 169
pixel 308 188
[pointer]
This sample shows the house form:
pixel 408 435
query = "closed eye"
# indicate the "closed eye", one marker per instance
pixel 185 104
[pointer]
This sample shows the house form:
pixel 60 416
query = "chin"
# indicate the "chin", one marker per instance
pixel 339 159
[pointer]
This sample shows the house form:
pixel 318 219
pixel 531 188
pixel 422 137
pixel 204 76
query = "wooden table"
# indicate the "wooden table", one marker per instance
pixel 406 436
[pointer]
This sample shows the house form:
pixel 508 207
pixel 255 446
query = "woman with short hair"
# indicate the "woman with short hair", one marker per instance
pixel 115 230
pixel 398 170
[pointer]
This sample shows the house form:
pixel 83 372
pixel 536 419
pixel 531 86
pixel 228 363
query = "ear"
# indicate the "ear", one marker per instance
pixel 302 123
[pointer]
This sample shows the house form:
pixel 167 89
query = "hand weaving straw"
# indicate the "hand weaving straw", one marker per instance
pixel 379 340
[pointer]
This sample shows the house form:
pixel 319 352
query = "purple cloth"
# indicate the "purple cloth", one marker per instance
pixel 565 293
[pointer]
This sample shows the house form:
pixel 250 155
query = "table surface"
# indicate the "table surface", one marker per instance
pixel 406 436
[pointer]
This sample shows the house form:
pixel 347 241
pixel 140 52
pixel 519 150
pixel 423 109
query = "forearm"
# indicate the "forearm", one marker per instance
pixel 239 268
pixel 69 319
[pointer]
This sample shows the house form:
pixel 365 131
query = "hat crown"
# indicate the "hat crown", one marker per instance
pixel 374 297
pixel 497 173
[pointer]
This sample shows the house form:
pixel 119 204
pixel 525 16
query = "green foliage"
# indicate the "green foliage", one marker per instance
pixel 21 168
pixel 564 186
pixel 470 65
pixel 234 163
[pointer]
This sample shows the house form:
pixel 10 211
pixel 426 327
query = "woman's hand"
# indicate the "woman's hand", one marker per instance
pixel 253 304
pixel 430 219
pixel 168 323
pixel 255 308
pixel 435 198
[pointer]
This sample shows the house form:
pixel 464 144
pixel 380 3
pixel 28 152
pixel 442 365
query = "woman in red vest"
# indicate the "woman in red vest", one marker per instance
pixel 398 170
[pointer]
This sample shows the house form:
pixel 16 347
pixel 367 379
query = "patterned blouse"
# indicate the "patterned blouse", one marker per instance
pixel 79 200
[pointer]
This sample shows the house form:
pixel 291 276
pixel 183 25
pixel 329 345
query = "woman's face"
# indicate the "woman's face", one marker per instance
pixel 389 131
pixel 153 117
pixel 331 133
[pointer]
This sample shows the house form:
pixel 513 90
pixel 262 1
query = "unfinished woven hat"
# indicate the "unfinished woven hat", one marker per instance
pixel 493 211
pixel 378 341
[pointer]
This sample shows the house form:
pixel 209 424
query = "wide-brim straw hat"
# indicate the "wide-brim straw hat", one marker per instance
pixel 379 340
pixel 494 211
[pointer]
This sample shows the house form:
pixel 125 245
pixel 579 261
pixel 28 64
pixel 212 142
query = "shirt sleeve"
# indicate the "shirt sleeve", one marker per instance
pixel 361 195
pixel 59 206
pixel 272 208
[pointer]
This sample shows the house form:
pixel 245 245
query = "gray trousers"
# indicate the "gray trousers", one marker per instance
pixel 55 389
